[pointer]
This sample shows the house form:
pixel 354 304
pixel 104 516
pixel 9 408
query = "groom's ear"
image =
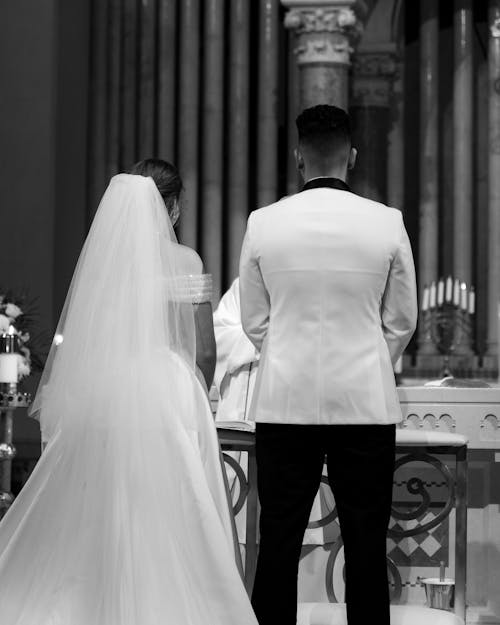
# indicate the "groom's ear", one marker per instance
pixel 299 160
pixel 352 158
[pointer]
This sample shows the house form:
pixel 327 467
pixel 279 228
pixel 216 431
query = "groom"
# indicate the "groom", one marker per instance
pixel 328 294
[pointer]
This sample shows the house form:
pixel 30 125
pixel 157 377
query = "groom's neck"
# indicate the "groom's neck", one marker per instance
pixel 335 172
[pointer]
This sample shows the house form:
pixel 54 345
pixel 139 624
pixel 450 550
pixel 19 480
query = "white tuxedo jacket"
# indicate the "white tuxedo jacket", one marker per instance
pixel 328 294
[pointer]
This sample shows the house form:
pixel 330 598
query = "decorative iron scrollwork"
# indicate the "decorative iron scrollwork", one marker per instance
pixel 242 482
pixel 417 487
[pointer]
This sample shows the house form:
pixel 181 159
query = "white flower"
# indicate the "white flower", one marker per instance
pixel 12 311
pixel 4 323
pixel 24 337
pixel 23 366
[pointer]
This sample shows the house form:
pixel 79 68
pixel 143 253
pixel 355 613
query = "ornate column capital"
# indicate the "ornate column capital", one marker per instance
pixel 325 30
pixel 374 73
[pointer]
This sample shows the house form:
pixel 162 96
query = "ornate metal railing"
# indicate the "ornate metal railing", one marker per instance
pixel 417 514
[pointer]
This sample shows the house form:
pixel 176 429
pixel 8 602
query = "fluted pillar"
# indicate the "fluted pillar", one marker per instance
pixel 213 103
pixel 113 141
pixel 373 74
pixel 494 177
pixel 189 68
pixel 98 106
pixel 293 179
pixel 167 62
pixel 267 117
pixel 463 166
pixel 429 155
pixel 395 141
pixel 128 92
pixel 325 31
pixel 238 127
pixel 463 161
pixel 147 80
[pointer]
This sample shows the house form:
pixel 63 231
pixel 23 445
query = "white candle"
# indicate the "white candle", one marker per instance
pixel 456 292
pixel 432 296
pixel 425 299
pixel 472 302
pixel 8 368
pixel 463 296
pixel 440 293
pixel 449 286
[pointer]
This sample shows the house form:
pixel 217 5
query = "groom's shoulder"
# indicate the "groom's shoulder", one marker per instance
pixel 273 209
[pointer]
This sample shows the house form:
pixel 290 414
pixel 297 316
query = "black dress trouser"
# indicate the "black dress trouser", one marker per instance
pixel 360 461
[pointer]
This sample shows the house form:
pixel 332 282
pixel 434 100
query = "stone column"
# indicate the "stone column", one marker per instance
pixel 188 129
pixel 429 156
pixel 463 162
pixel 212 140
pixel 373 77
pixel 238 129
pixel 325 31
pixel 267 118
pixel 395 141
pixel 463 166
pixel 494 178
pixel 167 57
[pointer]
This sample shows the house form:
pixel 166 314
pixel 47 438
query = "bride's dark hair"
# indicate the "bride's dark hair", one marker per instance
pixel 165 176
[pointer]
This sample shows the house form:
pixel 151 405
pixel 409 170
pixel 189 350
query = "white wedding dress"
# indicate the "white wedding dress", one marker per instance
pixel 124 520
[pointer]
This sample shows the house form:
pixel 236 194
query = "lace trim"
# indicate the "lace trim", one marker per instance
pixel 195 289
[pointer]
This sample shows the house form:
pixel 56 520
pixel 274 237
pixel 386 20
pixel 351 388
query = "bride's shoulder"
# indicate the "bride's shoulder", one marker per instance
pixel 189 261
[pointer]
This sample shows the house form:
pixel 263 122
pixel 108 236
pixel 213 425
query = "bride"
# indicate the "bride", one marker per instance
pixel 124 520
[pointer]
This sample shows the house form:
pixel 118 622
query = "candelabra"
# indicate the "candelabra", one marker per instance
pixel 10 400
pixel 447 311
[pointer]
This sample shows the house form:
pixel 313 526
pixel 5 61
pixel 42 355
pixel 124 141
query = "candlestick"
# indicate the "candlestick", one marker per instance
pixel 472 302
pixel 425 299
pixel 8 368
pixel 8 358
pixel 463 296
pixel 449 287
pixel 432 295
pixel 440 293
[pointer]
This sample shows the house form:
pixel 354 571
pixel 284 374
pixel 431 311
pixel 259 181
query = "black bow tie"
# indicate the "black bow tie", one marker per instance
pixel 331 183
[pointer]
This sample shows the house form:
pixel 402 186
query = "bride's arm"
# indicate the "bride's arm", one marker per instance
pixel 201 295
pixel 206 355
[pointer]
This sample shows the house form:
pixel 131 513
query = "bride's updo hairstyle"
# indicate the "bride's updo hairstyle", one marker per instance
pixel 167 179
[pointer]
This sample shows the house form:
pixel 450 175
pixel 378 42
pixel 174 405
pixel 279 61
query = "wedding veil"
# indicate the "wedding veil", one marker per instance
pixel 123 319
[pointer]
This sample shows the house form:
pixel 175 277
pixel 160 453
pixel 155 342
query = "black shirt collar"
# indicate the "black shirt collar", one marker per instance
pixel 324 181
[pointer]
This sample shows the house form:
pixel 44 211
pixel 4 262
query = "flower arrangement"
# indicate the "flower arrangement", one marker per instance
pixel 17 316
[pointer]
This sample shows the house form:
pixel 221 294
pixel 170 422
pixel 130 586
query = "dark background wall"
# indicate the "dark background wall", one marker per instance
pixel 43 136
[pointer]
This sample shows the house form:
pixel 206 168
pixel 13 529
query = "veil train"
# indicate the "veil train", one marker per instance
pixel 124 520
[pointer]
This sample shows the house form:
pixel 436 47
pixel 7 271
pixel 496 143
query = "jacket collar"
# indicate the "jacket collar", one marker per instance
pixel 324 181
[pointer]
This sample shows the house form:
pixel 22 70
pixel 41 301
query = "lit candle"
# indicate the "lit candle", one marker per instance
pixel 432 296
pixel 8 358
pixel 449 287
pixel 463 296
pixel 8 368
pixel 472 302
pixel 440 293
pixel 425 299
pixel 456 292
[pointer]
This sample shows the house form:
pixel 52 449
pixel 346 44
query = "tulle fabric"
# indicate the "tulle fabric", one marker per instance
pixel 124 304
pixel 124 520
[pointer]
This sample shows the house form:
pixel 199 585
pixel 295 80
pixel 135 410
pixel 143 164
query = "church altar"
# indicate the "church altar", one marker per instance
pixel 424 530
pixel 475 413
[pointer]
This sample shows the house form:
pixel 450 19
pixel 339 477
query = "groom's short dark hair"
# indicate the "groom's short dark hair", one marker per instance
pixel 324 129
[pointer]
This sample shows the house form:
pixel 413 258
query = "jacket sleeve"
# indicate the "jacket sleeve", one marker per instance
pixel 399 302
pixel 254 297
